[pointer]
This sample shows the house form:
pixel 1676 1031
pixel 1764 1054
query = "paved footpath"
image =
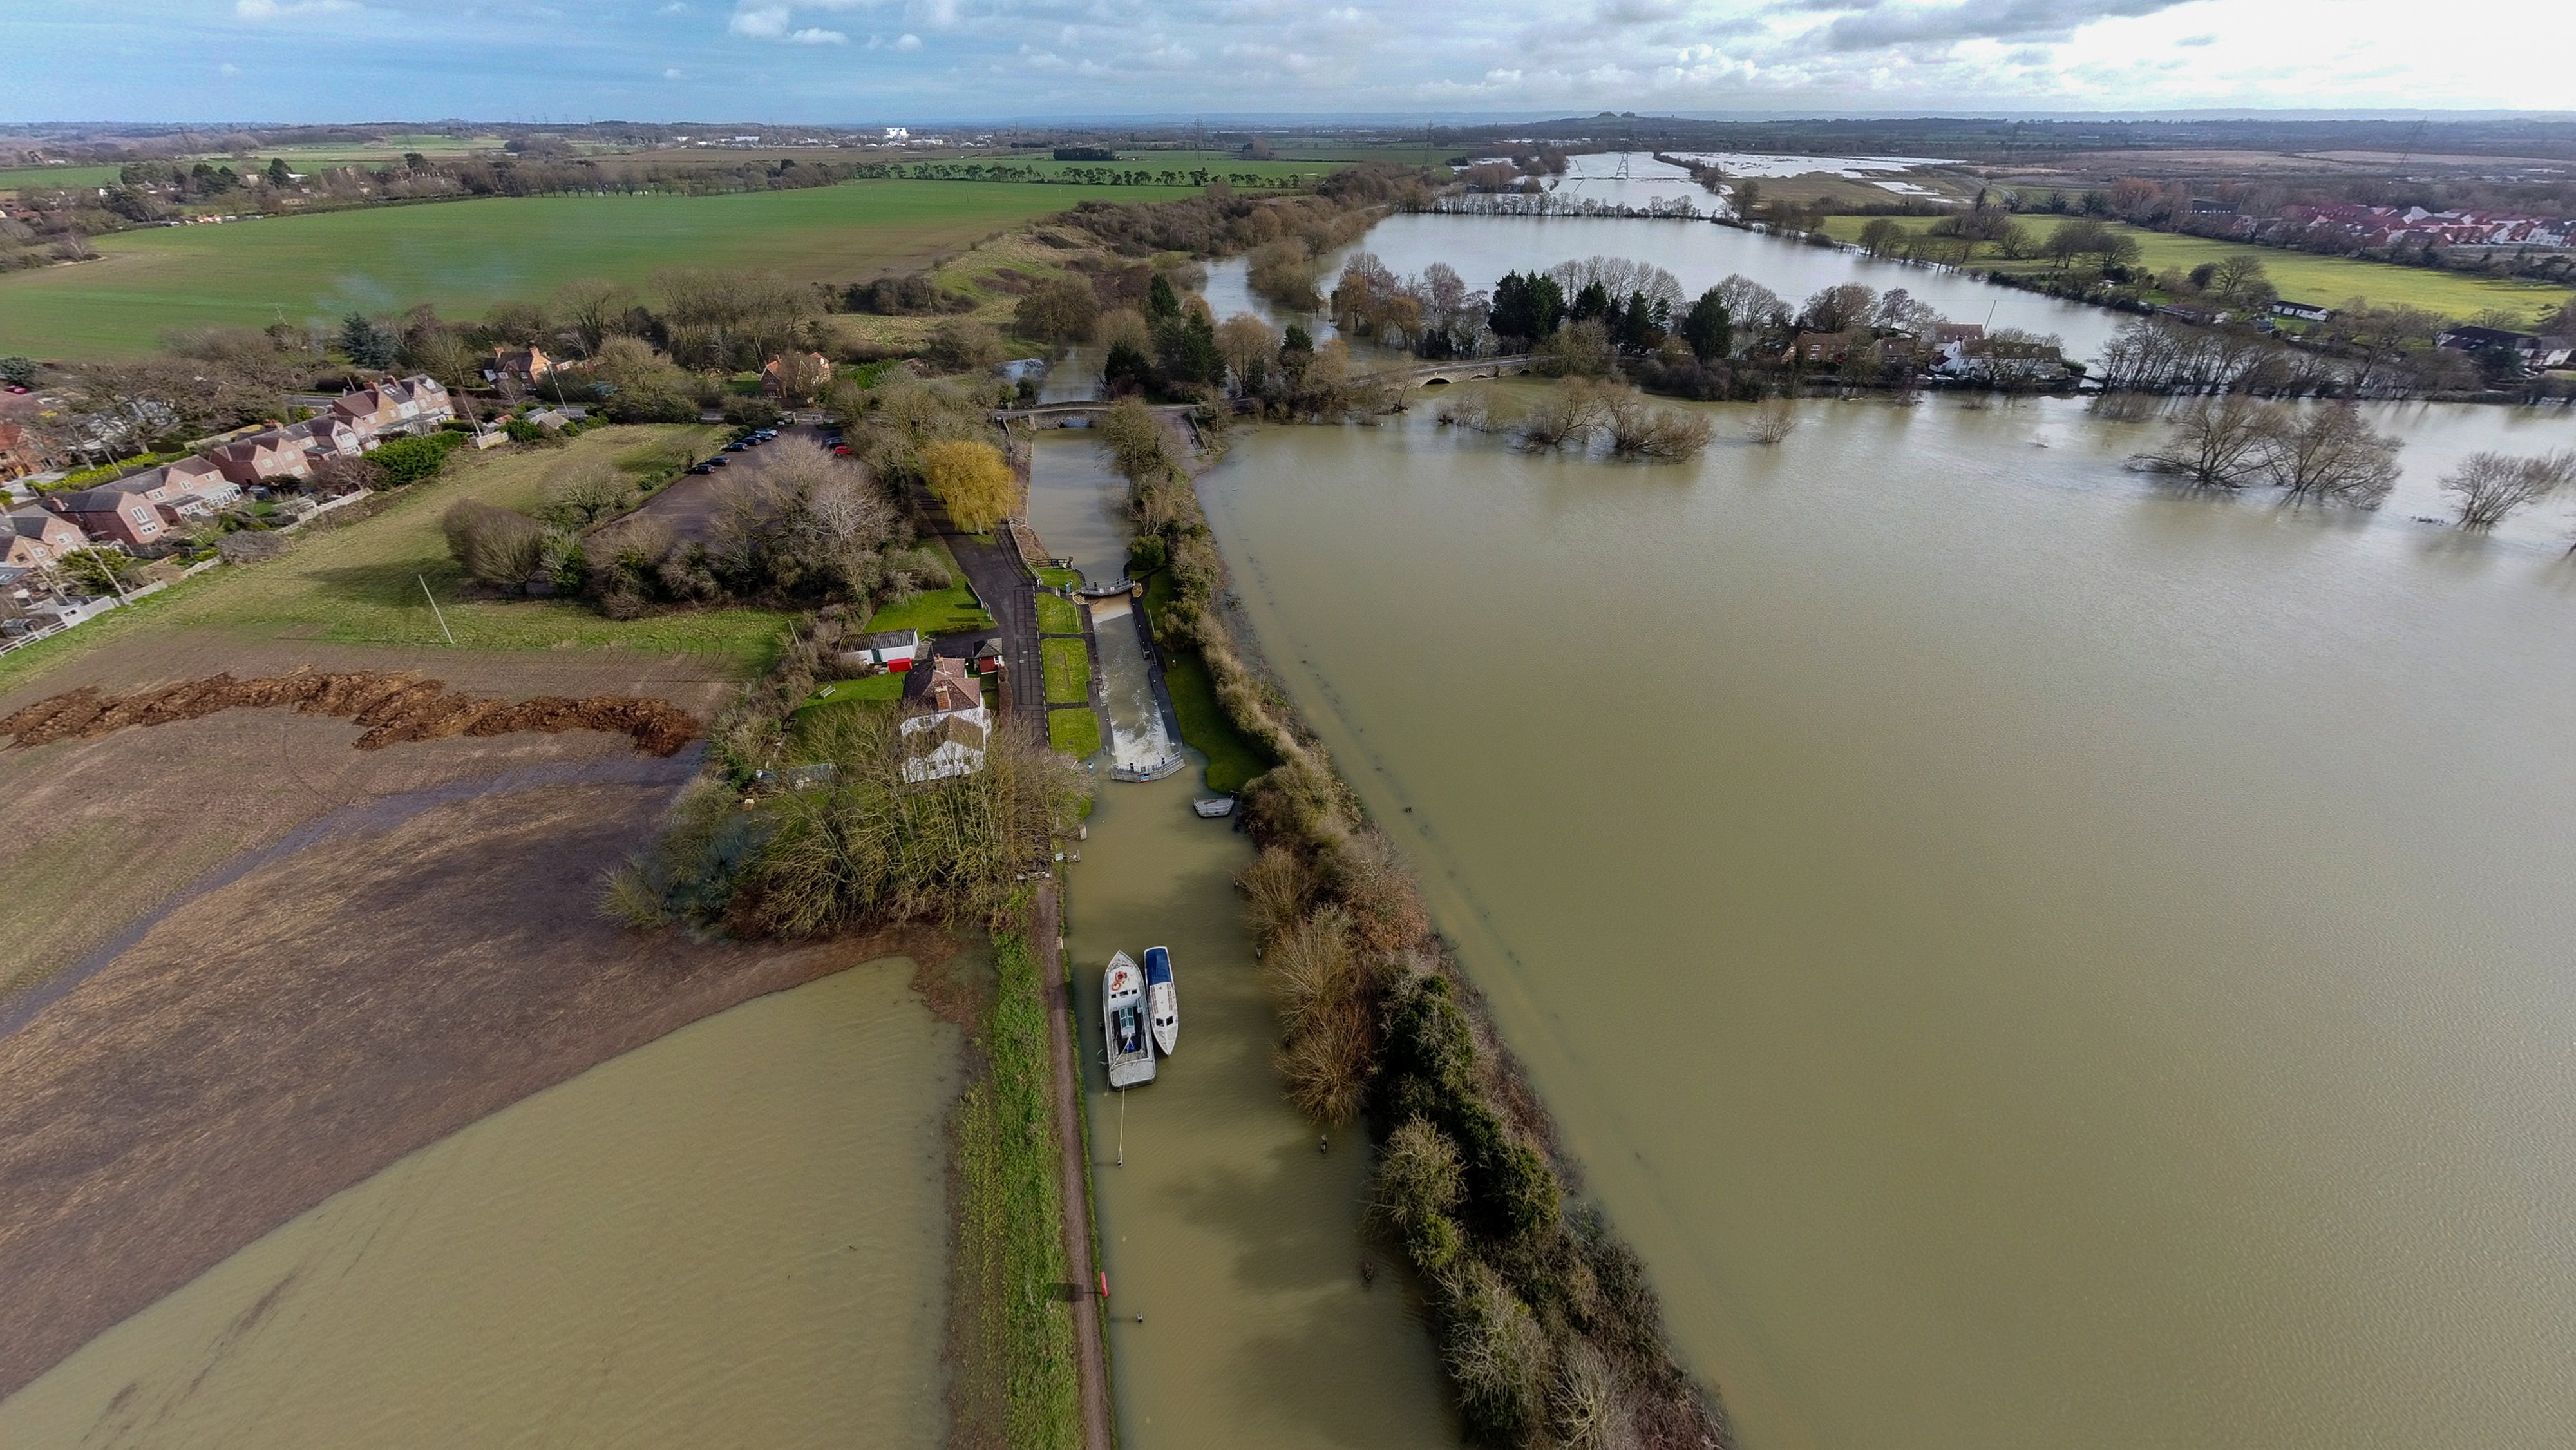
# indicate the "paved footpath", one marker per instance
pixel 1072 1157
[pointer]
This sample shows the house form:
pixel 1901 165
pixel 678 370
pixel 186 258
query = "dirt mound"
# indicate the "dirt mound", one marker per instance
pixel 393 706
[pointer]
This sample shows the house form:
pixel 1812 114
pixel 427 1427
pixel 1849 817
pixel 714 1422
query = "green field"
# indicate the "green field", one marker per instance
pixel 2300 276
pixel 14 177
pixel 362 584
pixel 952 610
pixel 466 255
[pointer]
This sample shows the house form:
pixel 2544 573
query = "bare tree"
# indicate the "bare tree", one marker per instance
pixel 2221 442
pixel 1567 417
pixel 1248 345
pixel 1639 429
pixel 2333 456
pixel 580 492
pixel 1773 421
pixel 2490 486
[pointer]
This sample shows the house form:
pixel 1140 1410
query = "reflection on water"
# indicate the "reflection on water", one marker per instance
pixel 1699 254
pixel 733 1236
pixel 1077 503
pixel 1233 1237
pixel 2031 958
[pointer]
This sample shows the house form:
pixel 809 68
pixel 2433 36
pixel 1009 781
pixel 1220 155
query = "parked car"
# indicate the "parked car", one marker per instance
pixel 718 462
pixel 843 449
pixel 702 468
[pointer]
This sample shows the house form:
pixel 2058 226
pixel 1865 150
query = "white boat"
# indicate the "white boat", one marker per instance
pixel 1212 809
pixel 1122 1020
pixel 1162 1002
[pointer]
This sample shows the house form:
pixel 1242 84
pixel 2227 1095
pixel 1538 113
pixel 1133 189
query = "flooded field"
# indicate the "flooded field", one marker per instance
pixel 2032 958
pixel 733 1236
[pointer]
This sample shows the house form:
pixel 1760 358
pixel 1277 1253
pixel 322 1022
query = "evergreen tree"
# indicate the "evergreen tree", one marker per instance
pixel 367 344
pixel 1160 301
pixel 1707 328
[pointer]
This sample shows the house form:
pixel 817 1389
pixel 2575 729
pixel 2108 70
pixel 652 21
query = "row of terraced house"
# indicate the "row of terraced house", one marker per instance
pixel 142 511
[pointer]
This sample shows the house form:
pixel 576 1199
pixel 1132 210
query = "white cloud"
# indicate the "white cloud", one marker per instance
pixel 289 10
pixel 674 8
pixel 765 22
pixel 672 73
pixel 816 35
pixel 228 69
pixel 908 43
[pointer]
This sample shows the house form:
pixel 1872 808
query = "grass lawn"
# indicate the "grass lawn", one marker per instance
pixel 880 689
pixel 2300 276
pixel 1075 732
pixel 1068 671
pixel 1232 760
pixel 361 583
pixel 1058 615
pixel 1060 578
pixel 952 610
pixel 466 255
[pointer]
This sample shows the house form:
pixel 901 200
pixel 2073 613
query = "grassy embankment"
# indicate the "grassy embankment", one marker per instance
pixel 1068 671
pixel 1058 615
pixel 361 583
pixel 1010 1230
pixel 464 256
pixel 2300 276
pixel 1232 760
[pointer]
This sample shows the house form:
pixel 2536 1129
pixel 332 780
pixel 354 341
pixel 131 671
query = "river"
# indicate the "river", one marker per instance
pixel 735 1235
pixel 1227 1227
pixel 2031 958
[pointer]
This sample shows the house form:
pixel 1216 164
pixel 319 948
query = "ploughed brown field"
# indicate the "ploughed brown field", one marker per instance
pixel 251 964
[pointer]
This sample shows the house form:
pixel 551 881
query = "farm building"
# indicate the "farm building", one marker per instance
pixel 893 649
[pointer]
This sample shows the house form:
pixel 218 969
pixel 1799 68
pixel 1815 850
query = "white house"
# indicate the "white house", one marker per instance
pixel 946 726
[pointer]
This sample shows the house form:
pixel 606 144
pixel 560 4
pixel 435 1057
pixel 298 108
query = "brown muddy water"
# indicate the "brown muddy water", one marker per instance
pixel 1229 1227
pixel 736 1235
pixel 2031 958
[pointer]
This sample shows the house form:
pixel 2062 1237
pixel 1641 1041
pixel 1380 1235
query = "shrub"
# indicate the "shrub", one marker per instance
pixel 1496 1354
pixel 1418 1179
pixel 250 546
pixel 1277 889
pixel 1640 430
pixel 494 545
pixel 409 460
pixel 1059 311
pixel 964 345
pixel 581 492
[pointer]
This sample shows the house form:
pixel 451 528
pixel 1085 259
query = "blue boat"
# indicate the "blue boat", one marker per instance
pixel 1162 1002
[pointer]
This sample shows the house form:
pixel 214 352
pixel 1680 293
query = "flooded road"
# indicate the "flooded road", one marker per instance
pixel 1227 1228
pixel 2031 958
pixel 736 1235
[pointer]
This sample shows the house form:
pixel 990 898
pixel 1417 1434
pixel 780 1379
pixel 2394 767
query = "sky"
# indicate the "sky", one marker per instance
pixel 915 61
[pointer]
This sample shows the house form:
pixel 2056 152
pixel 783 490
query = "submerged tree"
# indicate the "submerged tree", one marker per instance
pixel 2333 456
pixel 2488 487
pixel 2220 442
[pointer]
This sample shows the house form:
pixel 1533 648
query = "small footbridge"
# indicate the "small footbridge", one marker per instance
pixel 1412 375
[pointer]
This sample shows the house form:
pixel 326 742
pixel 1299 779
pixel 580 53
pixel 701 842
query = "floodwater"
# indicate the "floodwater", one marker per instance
pixel 1699 254
pixel 736 1235
pixel 1227 1228
pixel 2030 957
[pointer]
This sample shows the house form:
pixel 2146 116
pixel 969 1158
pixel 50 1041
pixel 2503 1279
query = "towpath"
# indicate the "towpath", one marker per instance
pixel 1073 1160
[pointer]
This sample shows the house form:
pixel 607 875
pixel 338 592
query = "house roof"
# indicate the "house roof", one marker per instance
pixel 107 499
pixel 948 730
pixel 888 639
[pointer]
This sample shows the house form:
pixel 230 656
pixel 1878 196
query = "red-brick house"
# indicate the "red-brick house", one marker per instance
pixel 121 513
pixel 525 364
pixel 19 455
pixel 263 456
pixel 34 538
pixel 200 479
pixel 395 406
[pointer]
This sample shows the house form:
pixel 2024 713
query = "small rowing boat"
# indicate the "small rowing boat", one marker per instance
pixel 1162 1003
pixel 1212 809
pixel 1122 1020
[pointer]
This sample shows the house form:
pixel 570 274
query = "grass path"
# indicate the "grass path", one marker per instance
pixel 466 255
pixel 362 583
pixel 2300 276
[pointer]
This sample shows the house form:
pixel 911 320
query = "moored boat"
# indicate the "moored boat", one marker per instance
pixel 1212 809
pixel 1122 1020
pixel 1162 1000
